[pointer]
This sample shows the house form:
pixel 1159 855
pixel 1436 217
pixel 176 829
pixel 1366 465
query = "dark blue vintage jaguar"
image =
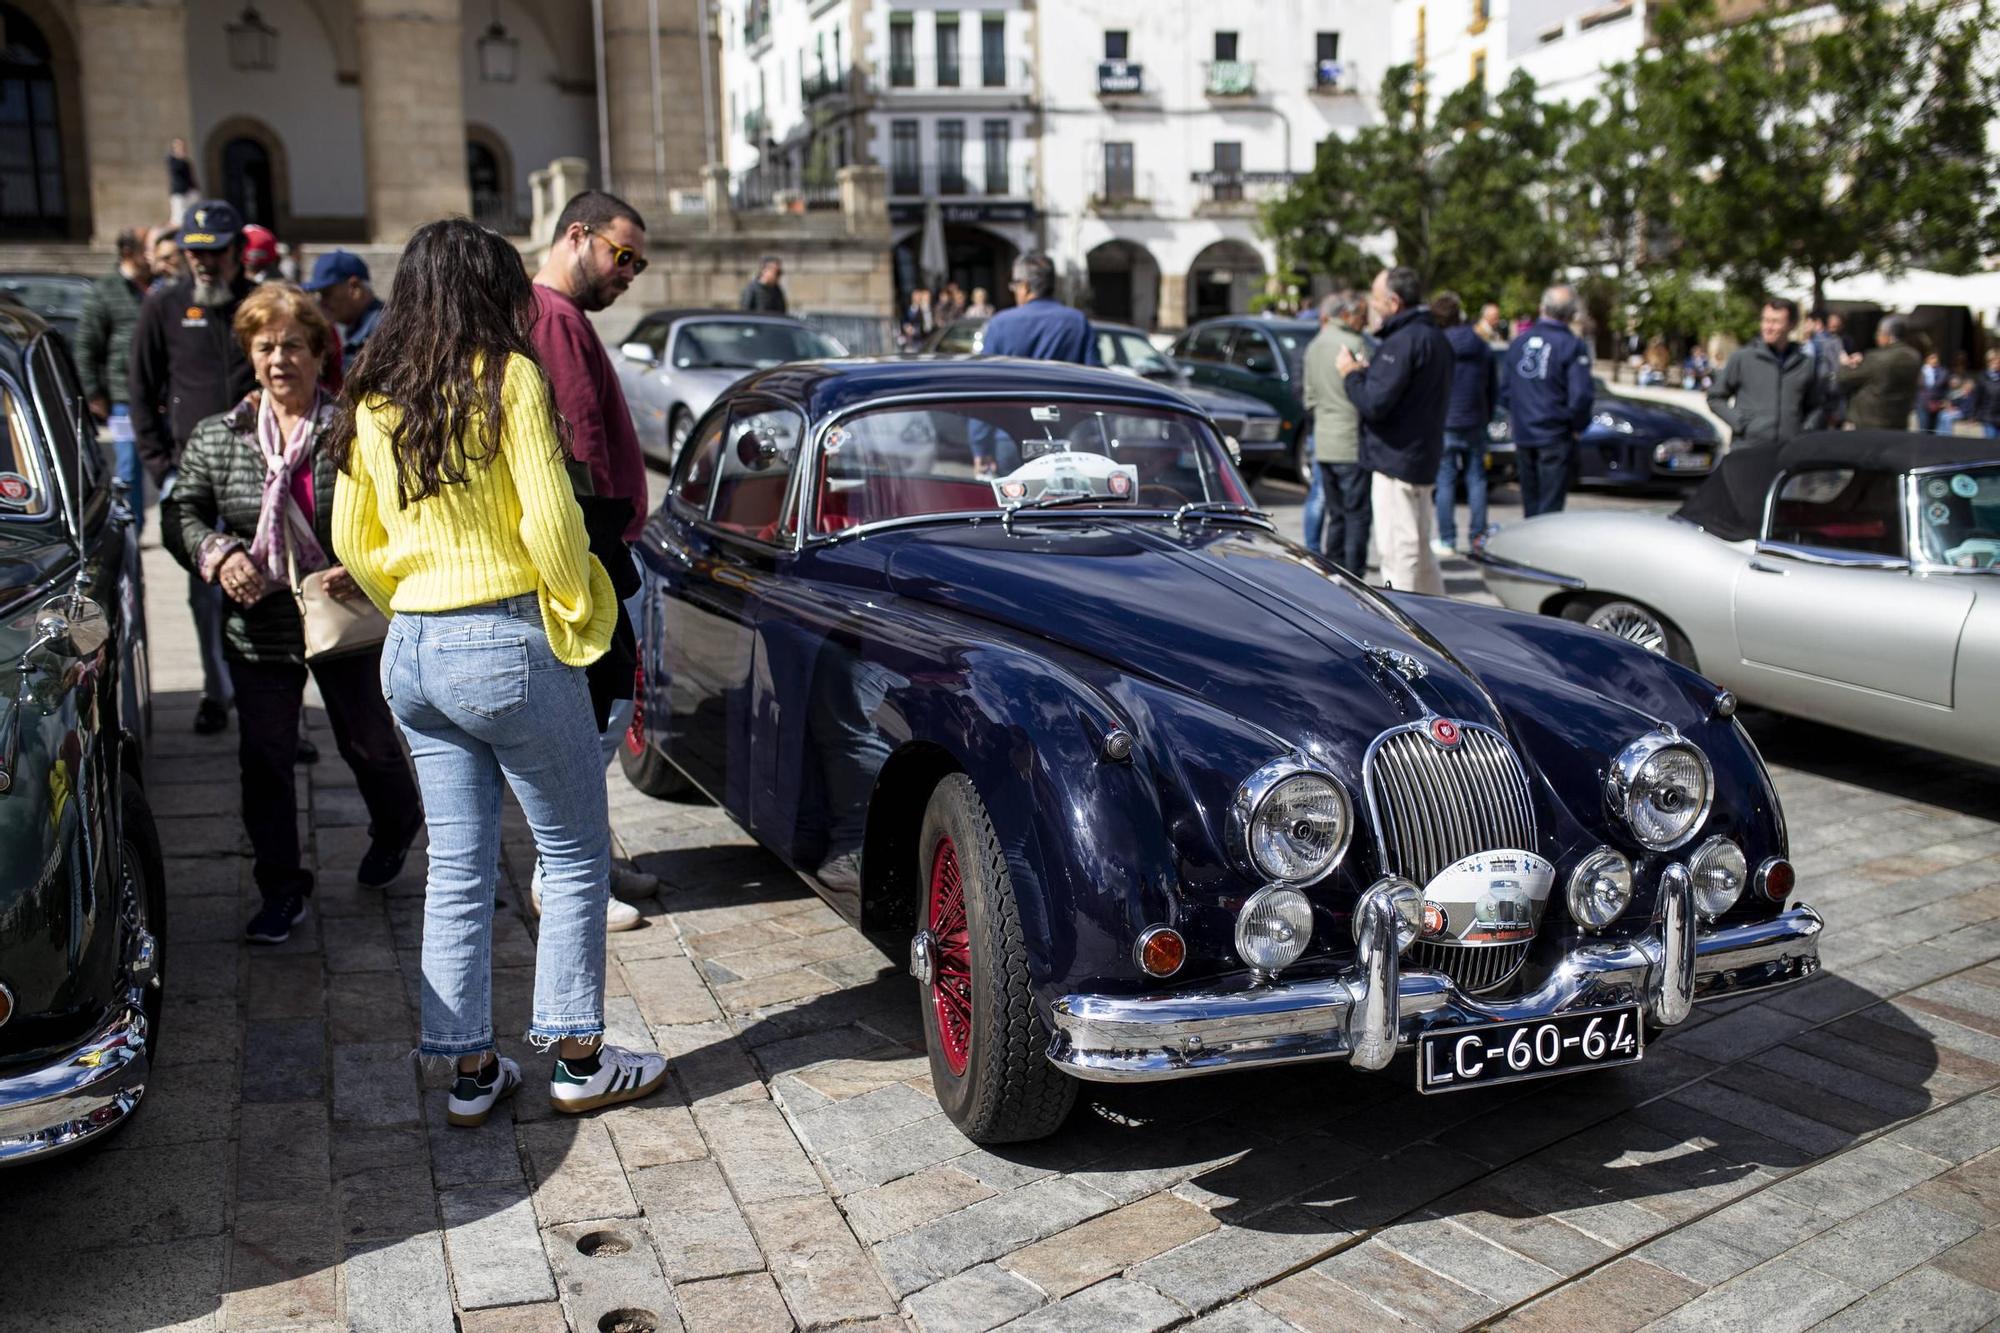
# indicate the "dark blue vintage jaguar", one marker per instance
pixel 999 657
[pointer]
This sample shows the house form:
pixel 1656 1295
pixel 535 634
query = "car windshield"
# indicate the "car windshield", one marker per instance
pixel 899 463
pixel 1959 517
pixel 748 345
pixel 1130 351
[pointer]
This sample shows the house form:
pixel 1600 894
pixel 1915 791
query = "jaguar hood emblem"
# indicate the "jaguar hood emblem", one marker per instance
pixel 1396 660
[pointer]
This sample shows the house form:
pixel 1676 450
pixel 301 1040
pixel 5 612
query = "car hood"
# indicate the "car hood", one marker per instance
pixel 1655 418
pixel 1233 615
pixel 1223 403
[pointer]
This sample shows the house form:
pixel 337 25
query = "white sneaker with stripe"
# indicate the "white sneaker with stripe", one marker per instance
pixel 620 1076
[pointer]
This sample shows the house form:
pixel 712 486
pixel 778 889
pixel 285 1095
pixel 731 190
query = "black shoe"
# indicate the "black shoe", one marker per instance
pixel 210 717
pixel 308 752
pixel 380 865
pixel 274 921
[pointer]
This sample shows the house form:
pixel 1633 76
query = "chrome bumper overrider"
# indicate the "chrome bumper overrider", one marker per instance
pixel 1115 1038
pixel 78 1096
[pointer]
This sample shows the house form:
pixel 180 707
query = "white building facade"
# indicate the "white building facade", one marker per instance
pixel 1166 122
pixel 941 95
pixel 1564 44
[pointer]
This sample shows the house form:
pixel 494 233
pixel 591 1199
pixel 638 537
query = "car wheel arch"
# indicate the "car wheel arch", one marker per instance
pixel 1577 606
pixel 889 881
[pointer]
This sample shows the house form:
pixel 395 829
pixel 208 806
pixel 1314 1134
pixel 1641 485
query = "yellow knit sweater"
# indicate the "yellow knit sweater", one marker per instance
pixel 512 527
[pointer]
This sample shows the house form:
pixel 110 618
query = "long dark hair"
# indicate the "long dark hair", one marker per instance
pixel 461 305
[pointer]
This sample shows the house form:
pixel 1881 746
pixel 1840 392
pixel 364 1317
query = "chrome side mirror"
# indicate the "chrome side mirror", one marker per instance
pixel 74 626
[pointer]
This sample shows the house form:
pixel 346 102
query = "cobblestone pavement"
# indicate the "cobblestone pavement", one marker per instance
pixel 1829 1154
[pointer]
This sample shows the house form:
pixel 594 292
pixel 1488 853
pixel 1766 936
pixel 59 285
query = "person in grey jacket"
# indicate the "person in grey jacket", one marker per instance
pixel 103 352
pixel 1337 512
pixel 1772 389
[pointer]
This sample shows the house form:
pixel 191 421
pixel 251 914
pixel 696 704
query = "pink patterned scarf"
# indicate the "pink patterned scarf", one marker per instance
pixel 282 460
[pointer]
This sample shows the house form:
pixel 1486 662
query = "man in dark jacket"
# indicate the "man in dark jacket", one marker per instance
pixel 1546 388
pixel 762 293
pixel 1402 394
pixel 1772 389
pixel 1881 383
pixel 187 365
pixel 1474 384
pixel 1986 395
pixel 103 353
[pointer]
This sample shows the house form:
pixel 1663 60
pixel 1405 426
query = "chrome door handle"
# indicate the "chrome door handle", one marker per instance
pixel 1763 568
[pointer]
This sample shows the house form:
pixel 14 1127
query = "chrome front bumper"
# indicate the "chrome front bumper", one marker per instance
pixel 78 1097
pixel 1136 1038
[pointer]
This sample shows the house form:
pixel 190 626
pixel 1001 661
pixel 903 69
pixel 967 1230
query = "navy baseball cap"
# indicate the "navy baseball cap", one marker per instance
pixel 211 224
pixel 335 266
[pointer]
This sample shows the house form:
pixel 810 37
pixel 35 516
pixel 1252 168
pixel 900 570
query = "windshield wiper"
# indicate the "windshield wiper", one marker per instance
pixel 1230 507
pixel 1057 501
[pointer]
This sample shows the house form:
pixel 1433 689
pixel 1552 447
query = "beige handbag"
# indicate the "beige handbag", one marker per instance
pixel 334 626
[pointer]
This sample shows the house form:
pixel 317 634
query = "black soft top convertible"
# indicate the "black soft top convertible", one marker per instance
pixel 1730 504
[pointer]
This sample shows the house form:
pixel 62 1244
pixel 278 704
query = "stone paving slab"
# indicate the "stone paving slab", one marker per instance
pixel 1829 1154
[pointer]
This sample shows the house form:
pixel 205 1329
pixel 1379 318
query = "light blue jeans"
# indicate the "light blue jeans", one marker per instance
pixel 483 699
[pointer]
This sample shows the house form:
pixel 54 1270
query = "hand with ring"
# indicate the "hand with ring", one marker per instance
pixel 242 580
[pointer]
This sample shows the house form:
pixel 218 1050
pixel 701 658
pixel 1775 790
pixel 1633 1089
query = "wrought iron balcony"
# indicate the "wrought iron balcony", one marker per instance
pixel 1120 78
pixel 1334 77
pixel 1231 78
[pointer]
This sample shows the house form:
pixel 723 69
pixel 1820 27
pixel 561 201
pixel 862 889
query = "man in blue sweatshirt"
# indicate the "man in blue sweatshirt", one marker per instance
pixel 1546 388
pixel 1475 369
pixel 1040 328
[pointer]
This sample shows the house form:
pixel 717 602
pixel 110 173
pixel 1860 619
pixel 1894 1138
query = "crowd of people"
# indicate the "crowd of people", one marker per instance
pixel 439 540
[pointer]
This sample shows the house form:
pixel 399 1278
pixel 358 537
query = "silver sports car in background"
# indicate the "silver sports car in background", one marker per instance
pixel 1852 578
pixel 674 362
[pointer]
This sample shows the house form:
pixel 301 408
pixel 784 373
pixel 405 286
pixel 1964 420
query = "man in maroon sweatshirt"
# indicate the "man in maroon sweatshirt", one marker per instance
pixel 599 247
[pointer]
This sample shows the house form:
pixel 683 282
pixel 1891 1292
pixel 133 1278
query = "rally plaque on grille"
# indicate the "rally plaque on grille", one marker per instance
pixel 1475 1057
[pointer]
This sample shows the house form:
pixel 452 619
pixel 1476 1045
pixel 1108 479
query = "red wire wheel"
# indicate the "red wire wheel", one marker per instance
pixel 951 979
pixel 635 731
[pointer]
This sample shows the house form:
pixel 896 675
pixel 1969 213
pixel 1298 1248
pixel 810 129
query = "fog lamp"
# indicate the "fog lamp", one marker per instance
pixel 1719 873
pixel 1600 888
pixel 1273 928
pixel 1160 951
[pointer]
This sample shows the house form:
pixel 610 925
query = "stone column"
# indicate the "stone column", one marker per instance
pixel 412 114
pixel 637 173
pixel 864 200
pixel 1173 300
pixel 132 54
pixel 715 198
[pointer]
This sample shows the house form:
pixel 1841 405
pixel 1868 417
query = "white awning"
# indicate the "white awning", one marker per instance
pixel 1980 292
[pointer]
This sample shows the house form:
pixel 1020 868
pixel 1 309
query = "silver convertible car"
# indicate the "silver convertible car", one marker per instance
pixel 1852 578
pixel 674 362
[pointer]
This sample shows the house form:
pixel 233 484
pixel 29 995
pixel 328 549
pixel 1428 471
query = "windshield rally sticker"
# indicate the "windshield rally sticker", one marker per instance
pixel 15 489
pixel 1488 898
pixel 1066 473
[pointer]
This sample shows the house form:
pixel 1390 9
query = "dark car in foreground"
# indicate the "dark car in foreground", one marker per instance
pixel 673 363
pixel 1632 442
pixel 82 904
pixel 1265 358
pixel 999 657
pixel 1255 427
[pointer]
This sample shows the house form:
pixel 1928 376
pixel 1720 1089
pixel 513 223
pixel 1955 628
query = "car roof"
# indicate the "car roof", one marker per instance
pixel 721 312
pixel 825 387
pixel 1259 322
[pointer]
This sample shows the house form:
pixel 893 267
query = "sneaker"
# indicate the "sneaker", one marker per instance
pixel 617 915
pixel 629 882
pixel 473 1096
pixel 620 1076
pixel 274 921
pixel 380 865
pixel 1443 550
pixel 210 716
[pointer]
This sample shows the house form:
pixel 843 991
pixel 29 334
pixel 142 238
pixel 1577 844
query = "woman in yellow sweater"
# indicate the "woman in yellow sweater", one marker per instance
pixel 454 513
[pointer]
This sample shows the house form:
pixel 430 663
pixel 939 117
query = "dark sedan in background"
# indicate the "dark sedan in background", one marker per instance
pixel 1631 442
pixel 1258 430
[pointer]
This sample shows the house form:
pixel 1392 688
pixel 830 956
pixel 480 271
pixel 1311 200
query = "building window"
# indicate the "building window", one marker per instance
pixel 997 133
pixel 902 51
pixel 1326 46
pixel 993 50
pixel 1117 45
pixel 1118 182
pixel 1479 70
pixel 1327 69
pixel 947 49
pixel 904 174
pixel 951 156
pixel 1228 174
pixel 1225 46
pixel 1482 10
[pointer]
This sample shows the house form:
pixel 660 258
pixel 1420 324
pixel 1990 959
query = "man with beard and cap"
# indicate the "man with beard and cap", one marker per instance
pixel 599 247
pixel 186 365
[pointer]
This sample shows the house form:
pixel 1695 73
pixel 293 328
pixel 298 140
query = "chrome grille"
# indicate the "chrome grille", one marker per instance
pixel 1433 804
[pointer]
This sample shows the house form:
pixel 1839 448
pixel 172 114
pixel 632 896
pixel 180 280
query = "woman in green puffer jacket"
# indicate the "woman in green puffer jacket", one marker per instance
pixel 252 481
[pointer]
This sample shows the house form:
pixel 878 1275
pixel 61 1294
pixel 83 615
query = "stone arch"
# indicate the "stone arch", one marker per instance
pixel 1222 279
pixel 216 179
pixel 492 202
pixel 1124 283
pixel 52 23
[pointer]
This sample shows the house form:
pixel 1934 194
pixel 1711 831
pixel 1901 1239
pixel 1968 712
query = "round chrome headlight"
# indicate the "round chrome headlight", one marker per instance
pixel 1661 786
pixel 1273 928
pixel 1600 888
pixel 1295 822
pixel 1719 872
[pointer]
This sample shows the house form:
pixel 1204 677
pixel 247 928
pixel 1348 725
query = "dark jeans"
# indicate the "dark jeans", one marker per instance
pixel 1544 470
pixel 1341 515
pixel 1464 456
pixel 269 697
